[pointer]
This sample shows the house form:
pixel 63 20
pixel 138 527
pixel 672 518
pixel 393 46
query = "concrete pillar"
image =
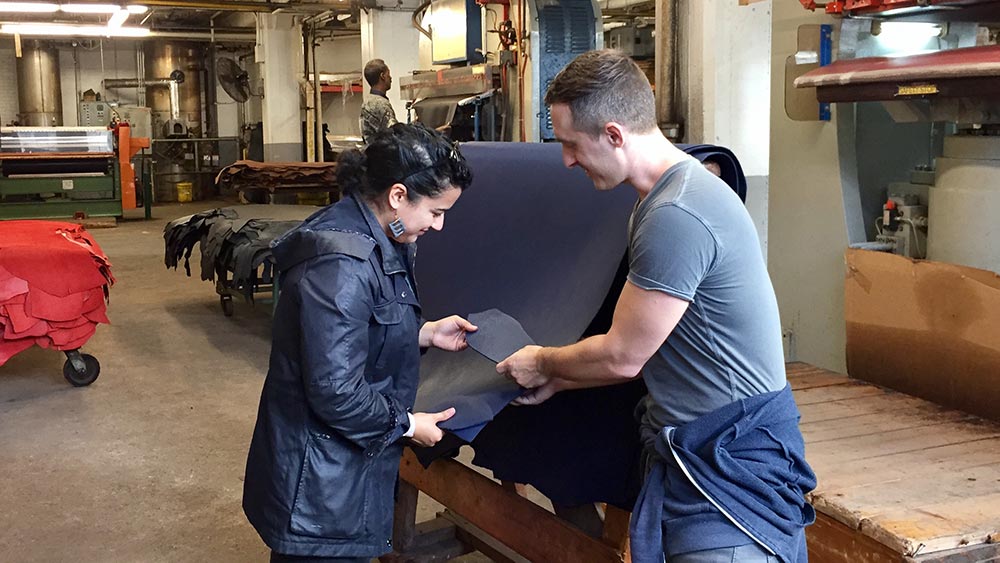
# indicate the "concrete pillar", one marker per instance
pixel 279 54
pixel 387 33
pixel 808 232
pixel 725 86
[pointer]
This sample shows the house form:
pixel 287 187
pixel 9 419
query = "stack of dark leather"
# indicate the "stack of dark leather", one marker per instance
pixel 234 240
pixel 246 175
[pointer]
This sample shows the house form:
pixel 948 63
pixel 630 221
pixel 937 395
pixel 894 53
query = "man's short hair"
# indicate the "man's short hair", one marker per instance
pixel 602 86
pixel 374 70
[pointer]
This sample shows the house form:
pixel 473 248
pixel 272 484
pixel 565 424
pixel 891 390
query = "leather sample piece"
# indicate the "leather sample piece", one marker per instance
pixel 54 280
pixel 499 335
pixel 538 242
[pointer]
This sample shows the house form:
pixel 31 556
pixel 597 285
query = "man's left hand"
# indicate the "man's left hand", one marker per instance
pixel 525 367
pixel 447 333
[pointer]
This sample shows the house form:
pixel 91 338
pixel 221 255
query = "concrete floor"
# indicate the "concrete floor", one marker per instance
pixel 147 463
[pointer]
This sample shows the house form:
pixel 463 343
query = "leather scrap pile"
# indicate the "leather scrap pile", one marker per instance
pixel 54 282
pixel 275 176
pixel 234 240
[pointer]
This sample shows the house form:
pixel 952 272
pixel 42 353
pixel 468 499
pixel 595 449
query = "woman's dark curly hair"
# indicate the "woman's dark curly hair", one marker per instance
pixel 423 160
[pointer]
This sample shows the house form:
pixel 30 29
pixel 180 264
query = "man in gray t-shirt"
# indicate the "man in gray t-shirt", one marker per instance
pixel 697 319
pixel 691 238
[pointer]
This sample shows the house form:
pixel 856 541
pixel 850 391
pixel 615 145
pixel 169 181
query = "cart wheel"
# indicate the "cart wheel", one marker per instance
pixel 82 378
pixel 227 305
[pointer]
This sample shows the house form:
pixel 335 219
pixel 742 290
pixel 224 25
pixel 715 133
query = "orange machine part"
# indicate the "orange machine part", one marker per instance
pixel 128 146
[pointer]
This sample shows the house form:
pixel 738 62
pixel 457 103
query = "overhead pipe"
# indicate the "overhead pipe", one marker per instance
pixel 263 7
pixel 173 83
pixel 317 100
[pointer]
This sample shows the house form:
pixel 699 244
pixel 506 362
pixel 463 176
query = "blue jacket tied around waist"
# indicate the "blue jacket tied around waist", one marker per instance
pixel 748 459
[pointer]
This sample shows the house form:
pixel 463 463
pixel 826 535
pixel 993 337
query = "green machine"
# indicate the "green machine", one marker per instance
pixel 59 172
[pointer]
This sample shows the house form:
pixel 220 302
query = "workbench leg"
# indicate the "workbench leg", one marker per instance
pixel 405 517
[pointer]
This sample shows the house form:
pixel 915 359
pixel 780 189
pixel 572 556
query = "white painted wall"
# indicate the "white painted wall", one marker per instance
pixel 342 55
pixel 725 85
pixel 100 59
pixel 807 229
pixel 279 53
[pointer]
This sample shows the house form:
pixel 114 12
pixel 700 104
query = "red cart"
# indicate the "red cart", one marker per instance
pixel 54 282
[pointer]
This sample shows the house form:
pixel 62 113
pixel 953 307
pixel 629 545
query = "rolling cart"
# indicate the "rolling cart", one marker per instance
pixel 54 282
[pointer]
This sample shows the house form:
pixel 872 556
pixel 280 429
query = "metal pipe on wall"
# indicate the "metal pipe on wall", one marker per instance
pixel 317 101
pixel 666 68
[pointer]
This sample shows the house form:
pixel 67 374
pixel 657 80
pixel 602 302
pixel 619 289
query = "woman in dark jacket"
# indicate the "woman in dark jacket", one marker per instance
pixel 345 356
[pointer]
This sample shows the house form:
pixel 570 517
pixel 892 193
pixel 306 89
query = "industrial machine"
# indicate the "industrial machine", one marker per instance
pixel 51 172
pixel 466 98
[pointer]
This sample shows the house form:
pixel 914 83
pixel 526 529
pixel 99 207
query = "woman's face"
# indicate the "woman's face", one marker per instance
pixel 424 214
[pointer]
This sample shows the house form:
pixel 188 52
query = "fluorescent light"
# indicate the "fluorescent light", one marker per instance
pixel 907 38
pixel 135 9
pixel 72 30
pixel 118 18
pixel 28 7
pixel 90 8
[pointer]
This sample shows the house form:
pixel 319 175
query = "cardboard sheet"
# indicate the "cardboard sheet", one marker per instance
pixel 925 328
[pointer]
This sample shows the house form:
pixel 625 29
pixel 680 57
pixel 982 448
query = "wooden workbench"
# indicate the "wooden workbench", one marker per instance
pixel 900 479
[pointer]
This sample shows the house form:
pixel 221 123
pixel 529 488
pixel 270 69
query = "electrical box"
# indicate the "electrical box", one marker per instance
pixel 140 119
pixel 455 26
pixel 94 114
pixel 100 114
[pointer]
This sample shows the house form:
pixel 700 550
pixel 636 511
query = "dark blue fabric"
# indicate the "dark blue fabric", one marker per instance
pixel 538 213
pixel 748 458
pixel 732 172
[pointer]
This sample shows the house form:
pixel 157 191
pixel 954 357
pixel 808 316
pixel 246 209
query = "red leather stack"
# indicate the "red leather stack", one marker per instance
pixel 54 281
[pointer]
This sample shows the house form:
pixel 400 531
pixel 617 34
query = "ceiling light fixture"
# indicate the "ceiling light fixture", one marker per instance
pixel 90 8
pixel 118 18
pixel 28 7
pixel 72 30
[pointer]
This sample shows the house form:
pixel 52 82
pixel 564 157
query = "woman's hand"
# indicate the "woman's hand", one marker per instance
pixel 425 427
pixel 446 334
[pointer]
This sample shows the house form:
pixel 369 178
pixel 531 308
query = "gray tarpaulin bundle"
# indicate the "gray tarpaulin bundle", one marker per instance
pixel 233 239
pixel 539 243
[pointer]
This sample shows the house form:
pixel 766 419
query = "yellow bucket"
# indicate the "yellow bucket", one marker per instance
pixel 185 192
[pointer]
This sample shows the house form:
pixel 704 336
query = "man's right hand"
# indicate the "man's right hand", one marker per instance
pixel 539 395
pixel 426 432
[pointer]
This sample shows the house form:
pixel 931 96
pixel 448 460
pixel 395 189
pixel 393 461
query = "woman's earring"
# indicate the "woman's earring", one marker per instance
pixel 396 226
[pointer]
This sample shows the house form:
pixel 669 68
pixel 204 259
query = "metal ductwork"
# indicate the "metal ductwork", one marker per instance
pixel 173 94
pixel 39 93
pixel 166 59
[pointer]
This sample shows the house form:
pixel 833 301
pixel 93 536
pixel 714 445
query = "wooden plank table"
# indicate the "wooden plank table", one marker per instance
pixel 900 480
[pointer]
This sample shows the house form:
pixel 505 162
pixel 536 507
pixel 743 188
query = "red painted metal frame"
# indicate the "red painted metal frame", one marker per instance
pixel 876 7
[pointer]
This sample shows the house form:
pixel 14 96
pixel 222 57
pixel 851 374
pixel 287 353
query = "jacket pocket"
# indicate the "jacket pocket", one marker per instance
pixel 331 499
pixel 385 316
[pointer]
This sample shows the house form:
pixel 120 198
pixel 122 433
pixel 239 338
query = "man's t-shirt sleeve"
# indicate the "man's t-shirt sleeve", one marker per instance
pixel 672 251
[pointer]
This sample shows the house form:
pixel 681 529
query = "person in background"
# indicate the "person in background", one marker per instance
pixel 377 112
